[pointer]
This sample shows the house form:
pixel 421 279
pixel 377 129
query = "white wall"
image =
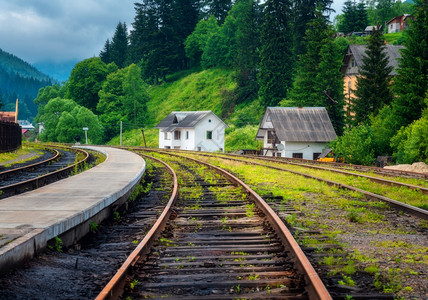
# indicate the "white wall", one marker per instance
pixel 306 148
pixel 209 123
pixel 197 136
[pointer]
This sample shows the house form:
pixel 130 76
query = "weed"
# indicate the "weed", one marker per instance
pixel 133 284
pixel 135 242
pixel 253 277
pixel 93 227
pixel 57 246
pixel 347 280
pixel 250 210
pixel 372 269
pixel 116 216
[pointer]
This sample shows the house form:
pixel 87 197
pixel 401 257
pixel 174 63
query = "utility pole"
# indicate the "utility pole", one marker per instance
pixel 120 133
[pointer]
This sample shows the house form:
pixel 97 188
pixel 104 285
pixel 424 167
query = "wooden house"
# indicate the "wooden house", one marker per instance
pixel 399 23
pixel 298 132
pixel 192 130
pixel 352 63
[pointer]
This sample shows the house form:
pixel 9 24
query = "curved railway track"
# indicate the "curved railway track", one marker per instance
pixel 34 175
pixel 416 211
pixel 221 240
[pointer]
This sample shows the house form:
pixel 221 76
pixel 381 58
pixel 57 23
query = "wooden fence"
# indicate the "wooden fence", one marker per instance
pixel 10 136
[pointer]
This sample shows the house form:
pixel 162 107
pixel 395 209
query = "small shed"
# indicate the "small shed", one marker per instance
pixel 192 130
pixel 298 132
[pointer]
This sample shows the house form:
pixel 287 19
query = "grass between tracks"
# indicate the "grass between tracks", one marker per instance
pixel 402 194
pixel 25 153
pixel 368 239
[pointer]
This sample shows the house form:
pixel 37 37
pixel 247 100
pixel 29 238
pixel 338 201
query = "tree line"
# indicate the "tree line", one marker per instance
pixel 281 52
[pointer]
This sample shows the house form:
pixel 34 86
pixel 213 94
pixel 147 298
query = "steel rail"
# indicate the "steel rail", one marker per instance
pixel 383 171
pixel 415 211
pixel 23 168
pixel 315 287
pixel 41 180
pixel 114 287
pixel 421 189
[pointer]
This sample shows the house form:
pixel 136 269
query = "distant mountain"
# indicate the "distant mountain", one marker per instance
pixel 19 79
pixel 60 71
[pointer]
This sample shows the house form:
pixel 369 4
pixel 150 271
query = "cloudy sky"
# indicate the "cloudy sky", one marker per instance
pixel 64 30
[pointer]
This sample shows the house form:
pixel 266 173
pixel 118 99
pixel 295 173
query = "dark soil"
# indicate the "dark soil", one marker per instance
pixel 82 271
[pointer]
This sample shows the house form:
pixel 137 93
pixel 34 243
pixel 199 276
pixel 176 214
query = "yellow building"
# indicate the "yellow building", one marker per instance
pixel 352 63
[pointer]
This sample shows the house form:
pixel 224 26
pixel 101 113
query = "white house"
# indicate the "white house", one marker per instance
pixel 192 130
pixel 299 132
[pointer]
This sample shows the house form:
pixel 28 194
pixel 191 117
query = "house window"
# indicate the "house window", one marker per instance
pixel 209 135
pixel 316 155
pixel 177 135
pixel 297 155
pixel 165 136
pixel 352 62
pixel 177 147
pixel 278 154
pixel 199 148
pixel 209 121
pixel 167 147
pixel 187 135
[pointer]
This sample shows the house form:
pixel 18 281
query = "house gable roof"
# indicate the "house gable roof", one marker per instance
pixel 298 124
pixel 184 119
pixel 358 52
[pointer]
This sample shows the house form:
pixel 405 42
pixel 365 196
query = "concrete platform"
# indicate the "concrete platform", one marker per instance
pixel 66 207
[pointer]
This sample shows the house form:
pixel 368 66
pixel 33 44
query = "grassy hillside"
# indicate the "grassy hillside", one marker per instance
pixel 200 90
pixel 197 91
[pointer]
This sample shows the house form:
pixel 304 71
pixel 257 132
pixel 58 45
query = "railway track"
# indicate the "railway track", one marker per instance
pixel 416 211
pixel 34 175
pixel 220 241
pixel 337 165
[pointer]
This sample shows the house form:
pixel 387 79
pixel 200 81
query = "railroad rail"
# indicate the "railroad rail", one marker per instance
pixel 32 176
pixel 421 213
pixel 249 252
pixel 378 170
pixel 371 178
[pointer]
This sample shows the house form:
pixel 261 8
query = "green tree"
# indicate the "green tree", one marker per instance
pixel 303 12
pixel 119 46
pixel 373 90
pixel 122 98
pixel 105 54
pixel 384 126
pixel 355 146
pixel 349 17
pixel 411 142
pixel 306 90
pixel 85 81
pixel 410 85
pixel 217 8
pixel 195 43
pixel 276 57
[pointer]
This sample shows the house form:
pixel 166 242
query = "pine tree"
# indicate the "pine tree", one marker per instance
pixel 362 17
pixel 106 52
pixel 186 14
pixel 349 17
pixel 305 90
pixel 119 45
pixel 276 57
pixel 329 81
pixel 411 84
pixel 373 84
pixel 304 11
pixel 217 8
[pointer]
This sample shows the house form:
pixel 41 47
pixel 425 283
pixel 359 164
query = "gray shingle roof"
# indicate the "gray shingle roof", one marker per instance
pixel 358 51
pixel 299 124
pixel 183 119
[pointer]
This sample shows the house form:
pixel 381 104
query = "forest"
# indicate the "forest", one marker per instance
pixel 20 80
pixel 275 53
